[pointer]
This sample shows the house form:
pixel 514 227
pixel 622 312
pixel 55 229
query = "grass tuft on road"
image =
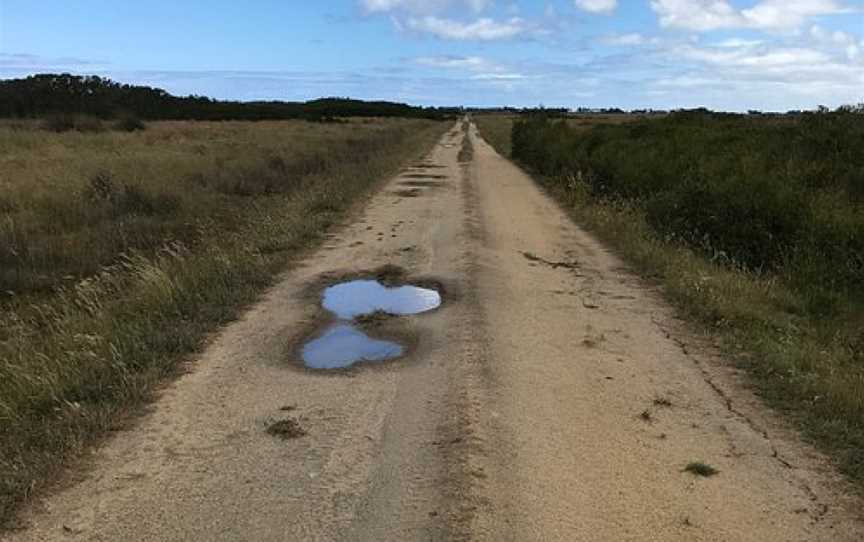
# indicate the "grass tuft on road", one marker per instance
pixel 120 251
pixel 701 469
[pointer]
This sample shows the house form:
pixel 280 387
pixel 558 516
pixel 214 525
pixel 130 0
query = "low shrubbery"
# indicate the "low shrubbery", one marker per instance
pixel 777 195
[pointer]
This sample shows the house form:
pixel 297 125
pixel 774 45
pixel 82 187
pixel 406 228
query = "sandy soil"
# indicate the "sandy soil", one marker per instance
pixel 554 396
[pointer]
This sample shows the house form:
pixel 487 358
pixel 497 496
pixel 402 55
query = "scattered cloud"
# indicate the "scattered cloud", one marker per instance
pixel 37 62
pixel 624 40
pixel 482 29
pixel 706 15
pixel 421 6
pixel 597 6
pixel 838 40
pixel 454 62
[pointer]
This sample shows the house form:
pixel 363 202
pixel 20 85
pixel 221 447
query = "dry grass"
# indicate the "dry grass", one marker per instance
pixel 807 365
pixel 120 251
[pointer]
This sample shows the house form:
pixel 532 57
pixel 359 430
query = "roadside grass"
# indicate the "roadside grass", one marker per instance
pixel 806 363
pixel 497 130
pixel 121 251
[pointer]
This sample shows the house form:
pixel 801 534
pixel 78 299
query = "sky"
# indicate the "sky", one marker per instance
pixel 734 55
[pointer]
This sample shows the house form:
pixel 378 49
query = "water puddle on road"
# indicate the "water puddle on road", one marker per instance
pixel 358 297
pixel 343 344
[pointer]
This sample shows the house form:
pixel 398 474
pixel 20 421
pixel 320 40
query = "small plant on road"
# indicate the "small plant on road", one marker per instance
pixel 701 469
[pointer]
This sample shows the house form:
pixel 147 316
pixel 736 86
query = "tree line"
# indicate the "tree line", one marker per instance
pixel 43 95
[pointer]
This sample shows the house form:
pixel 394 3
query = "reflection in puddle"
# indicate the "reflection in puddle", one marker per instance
pixel 343 345
pixel 351 299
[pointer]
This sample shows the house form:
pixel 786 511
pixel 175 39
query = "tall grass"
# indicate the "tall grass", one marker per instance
pixel 119 251
pixel 797 326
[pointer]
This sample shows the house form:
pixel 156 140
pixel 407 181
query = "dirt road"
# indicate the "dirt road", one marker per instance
pixel 553 396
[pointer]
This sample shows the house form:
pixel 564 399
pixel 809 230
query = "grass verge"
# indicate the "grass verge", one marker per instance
pixel 805 364
pixel 128 248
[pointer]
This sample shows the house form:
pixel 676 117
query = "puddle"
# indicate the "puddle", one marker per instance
pixel 351 299
pixel 343 345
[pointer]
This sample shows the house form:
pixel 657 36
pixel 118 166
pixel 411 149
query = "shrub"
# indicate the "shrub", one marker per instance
pixel 66 122
pixel 129 123
pixel 780 195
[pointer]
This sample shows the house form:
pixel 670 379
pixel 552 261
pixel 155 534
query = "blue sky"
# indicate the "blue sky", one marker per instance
pixel 723 54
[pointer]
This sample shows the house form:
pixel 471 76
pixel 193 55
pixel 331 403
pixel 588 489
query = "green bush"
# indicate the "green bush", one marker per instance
pixel 66 122
pixel 769 194
pixel 128 122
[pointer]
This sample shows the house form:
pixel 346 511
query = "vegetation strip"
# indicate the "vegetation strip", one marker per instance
pixel 121 251
pixel 758 241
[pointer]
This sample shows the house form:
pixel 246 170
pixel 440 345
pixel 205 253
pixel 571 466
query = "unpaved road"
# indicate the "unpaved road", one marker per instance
pixel 517 415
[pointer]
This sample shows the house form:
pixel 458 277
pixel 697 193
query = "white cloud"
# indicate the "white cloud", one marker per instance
pixel 837 40
pixel 483 29
pixel 744 73
pixel 499 77
pixel 788 13
pixel 597 6
pixel 421 6
pixel 626 39
pixel 744 57
pixel 481 68
pixel 454 62
pixel 735 43
pixel 705 15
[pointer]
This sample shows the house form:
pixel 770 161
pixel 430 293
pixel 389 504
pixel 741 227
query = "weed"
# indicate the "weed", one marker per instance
pixel 129 123
pixel 286 429
pixel 701 469
pixel 67 122
pixel 662 402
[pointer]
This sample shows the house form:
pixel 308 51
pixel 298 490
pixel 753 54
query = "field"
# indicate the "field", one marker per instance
pixel 754 227
pixel 120 251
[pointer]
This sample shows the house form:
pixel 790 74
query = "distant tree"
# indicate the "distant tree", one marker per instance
pixel 43 95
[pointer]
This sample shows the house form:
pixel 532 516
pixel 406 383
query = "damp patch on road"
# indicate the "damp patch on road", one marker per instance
pixel 423 176
pixel 407 193
pixel 422 184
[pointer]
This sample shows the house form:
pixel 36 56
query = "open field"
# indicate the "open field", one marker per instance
pixel 551 395
pixel 120 251
pixel 754 228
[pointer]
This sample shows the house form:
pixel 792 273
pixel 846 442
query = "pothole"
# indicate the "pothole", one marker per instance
pixel 358 305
